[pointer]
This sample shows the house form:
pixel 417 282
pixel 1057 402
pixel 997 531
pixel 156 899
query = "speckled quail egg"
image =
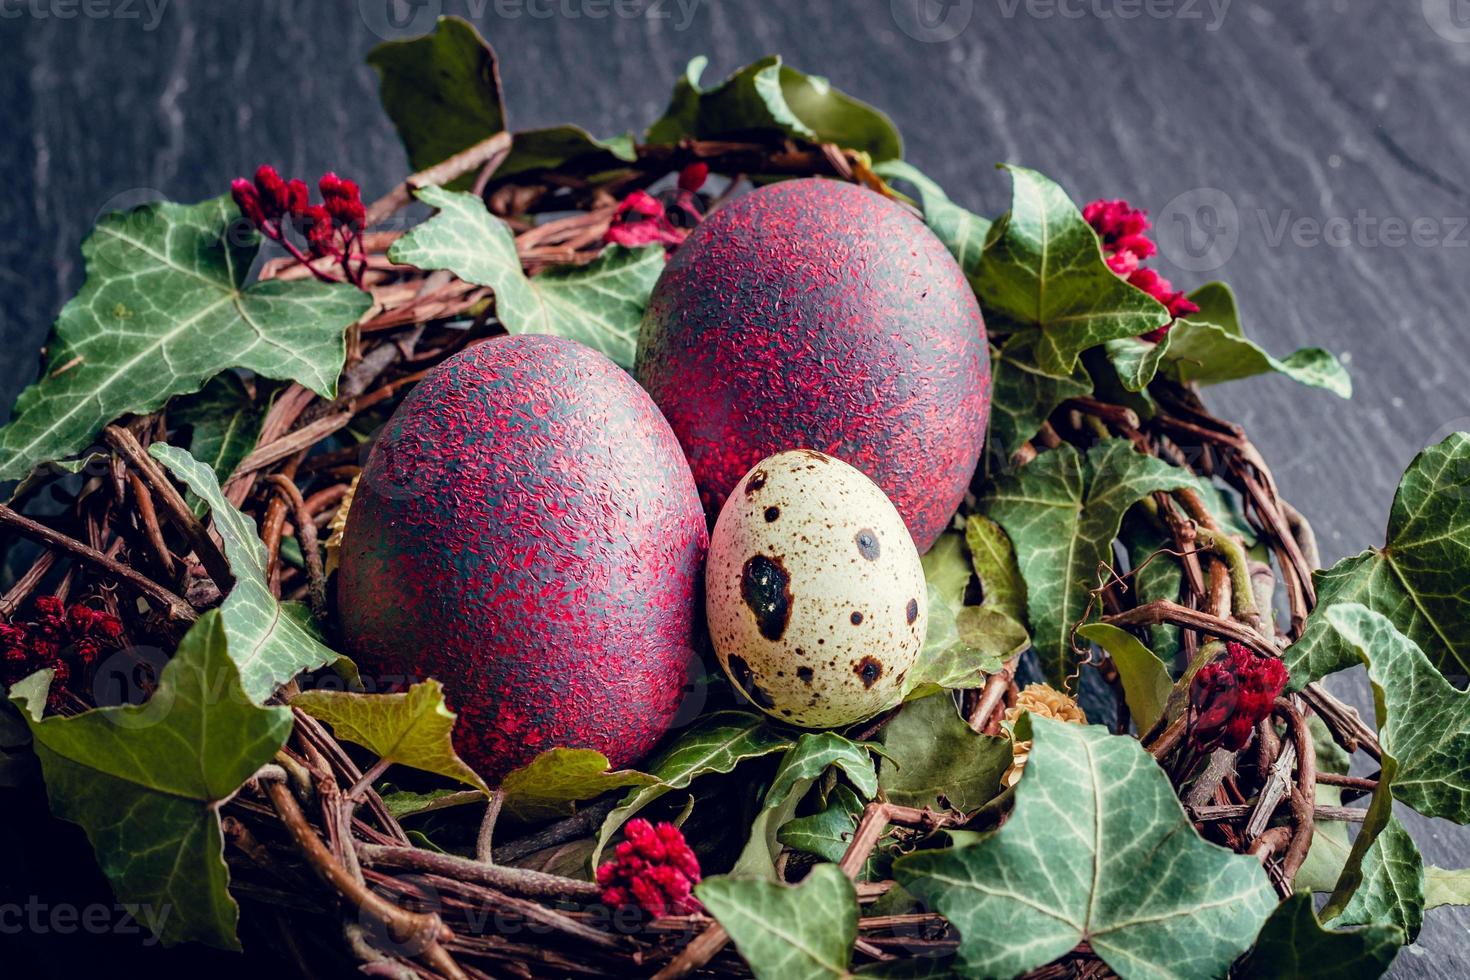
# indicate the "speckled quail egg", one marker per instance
pixel 814 591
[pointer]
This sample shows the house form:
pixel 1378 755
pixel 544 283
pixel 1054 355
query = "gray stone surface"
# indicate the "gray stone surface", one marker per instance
pixel 1325 143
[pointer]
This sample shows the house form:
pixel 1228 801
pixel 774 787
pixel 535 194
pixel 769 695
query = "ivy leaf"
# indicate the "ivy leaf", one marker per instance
pixel 557 779
pixel 947 570
pixel 404 803
pixel 565 148
pixel 1417 579
pixel 599 304
pixel 1293 945
pixel 994 559
pixel 804 932
pixel 1023 395
pixel 1209 347
pixel 1062 512
pixel 411 728
pixel 1146 681
pixel 1097 849
pixel 766 98
pixel 716 743
pixel 165 308
pixel 146 782
pixel 1043 267
pixel 225 421
pixel 1156 575
pixel 271 641
pixel 1446 886
pixel 962 232
pixel 828 832
pixel 1392 887
pixel 962 642
pixel 932 758
pixel 442 91
pixel 812 755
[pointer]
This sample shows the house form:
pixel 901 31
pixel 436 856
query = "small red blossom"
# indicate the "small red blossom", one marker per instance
pixel 692 177
pixel 332 228
pixel 1230 696
pixel 653 869
pixel 68 640
pixel 642 219
pixel 1123 229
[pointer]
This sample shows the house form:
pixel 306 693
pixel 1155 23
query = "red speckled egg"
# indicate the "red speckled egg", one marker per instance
pixel 527 531
pixel 816 314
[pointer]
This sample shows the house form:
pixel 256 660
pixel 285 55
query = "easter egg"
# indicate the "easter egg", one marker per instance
pixel 816 313
pixel 526 530
pixel 814 592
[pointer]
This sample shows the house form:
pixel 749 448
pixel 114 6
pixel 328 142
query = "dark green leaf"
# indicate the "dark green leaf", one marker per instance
pixel 994 559
pixel 1043 267
pixel 1293 945
pixel 788 933
pixel 1156 575
pixel 1417 579
pixel 565 148
pixel 1022 395
pixel 932 758
pixel 146 782
pixel 442 91
pixel 164 308
pixel 225 423
pixel 768 99
pixel 828 832
pixel 271 641
pixel 1062 513
pixel 1392 888
pixel 1097 849
pixel 1146 681
pixel 599 304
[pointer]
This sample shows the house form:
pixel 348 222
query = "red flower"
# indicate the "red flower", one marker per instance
pixel 343 201
pixel 1230 696
pixel 67 640
pixel 640 219
pixel 247 200
pixel 654 869
pixel 333 227
pixel 1121 229
pixel 692 177
pixel 275 196
pixel 316 224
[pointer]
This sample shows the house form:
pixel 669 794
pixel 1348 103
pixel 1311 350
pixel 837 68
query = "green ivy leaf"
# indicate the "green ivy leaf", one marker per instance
pixel 1023 395
pixel 1392 887
pixel 146 782
pixel 1043 267
pixel 164 309
pixel 932 758
pixel 271 641
pixel 557 779
pixel 963 642
pixel 946 569
pixel 804 932
pixel 411 728
pixel 994 559
pixel 442 91
pixel 828 832
pixel 1209 347
pixel 225 421
pixel 565 148
pixel 766 98
pixel 404 803
pixel 1293 945
pixel 1062 512
pixel 962 232
pixel 1417 579
pixel 1446 886
pixel 716 743
pixel 600 304
pixel 1146 681
pixel 1097 849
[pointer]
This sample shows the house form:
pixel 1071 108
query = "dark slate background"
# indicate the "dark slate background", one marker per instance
pixel 1284 147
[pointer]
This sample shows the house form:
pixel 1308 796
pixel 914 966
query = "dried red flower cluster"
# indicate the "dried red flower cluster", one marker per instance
pixel 1123 230
pixel 642 219
pixel 68 640
pixel 333 227
pixel 653 869
pixel 1230 696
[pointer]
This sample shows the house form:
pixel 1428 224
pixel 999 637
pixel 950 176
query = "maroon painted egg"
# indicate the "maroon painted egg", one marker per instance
pixel 816 314
pixel 527 531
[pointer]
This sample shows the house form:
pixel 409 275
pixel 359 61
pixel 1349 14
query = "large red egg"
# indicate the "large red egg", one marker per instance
pixel 816 314
pixel 527 531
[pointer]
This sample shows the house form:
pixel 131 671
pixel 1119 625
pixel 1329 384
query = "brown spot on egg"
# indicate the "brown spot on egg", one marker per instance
pixel 913 611
pixel 766 589
pixel 868 670
pixel 743 675
pixel 813 454
pixel 857 618
pixel 756 481
pixel 867 544
pixel 805 673
pixel 772 513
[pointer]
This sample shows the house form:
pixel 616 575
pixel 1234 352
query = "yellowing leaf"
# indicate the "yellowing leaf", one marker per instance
pixel 557 779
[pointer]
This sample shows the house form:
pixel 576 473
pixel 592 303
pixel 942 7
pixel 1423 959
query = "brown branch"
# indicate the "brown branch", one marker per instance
pixel 176 608
pixel 516 881
pixel 1166 611
pixel 983 719
pixel 443 172
pixel 306 537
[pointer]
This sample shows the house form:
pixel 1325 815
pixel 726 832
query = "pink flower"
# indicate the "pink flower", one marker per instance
pixel 640 219
pixel 653 869
pixel 1121 229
